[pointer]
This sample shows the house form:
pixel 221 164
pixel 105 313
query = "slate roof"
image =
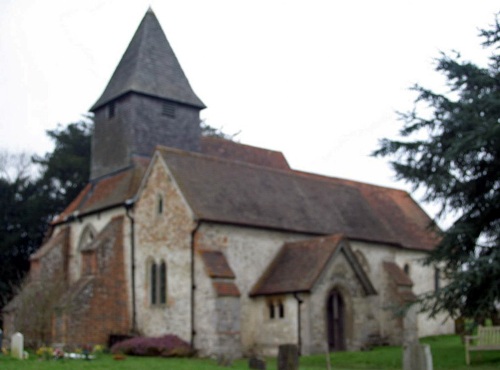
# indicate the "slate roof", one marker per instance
pixel 149 66
pixel 290 272
pixel 245 153
pixel 240 193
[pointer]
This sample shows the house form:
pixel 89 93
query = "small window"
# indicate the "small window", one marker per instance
pixel 406 269
pixel 160 205
pixel 163 282
pixel 281 309
pixel 437 283
pixel 168 109
pixel 271 309
pixel 276 309
pixel 111 110
pixel 154 277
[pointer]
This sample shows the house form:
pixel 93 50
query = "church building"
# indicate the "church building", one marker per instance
pixel 220 243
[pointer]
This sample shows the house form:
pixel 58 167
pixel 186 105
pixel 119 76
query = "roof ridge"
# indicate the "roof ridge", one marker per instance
pixel 215 158
pixel 238 143
pixel 347 182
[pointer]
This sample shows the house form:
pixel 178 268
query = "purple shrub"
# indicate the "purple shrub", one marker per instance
pixel 165 346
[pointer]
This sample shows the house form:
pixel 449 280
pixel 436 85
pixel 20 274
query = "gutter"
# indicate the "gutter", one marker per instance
pixel 129 205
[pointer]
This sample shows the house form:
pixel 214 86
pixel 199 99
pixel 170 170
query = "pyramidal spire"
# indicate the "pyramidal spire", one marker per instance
pixel 149 66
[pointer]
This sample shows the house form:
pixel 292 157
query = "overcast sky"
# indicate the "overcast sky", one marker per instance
pixel 319 80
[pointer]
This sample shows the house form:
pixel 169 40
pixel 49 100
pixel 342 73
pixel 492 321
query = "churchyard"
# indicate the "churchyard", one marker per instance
pixel 447 353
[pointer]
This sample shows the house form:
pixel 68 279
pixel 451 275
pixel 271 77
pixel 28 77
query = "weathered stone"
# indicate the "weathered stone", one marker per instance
pixel 288 357
pixel 257 363
pixel 17 346
pixel 417 356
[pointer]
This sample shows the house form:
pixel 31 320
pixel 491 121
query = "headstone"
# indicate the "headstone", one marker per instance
pixel 17 346
pixel 256 363
pixel 288 357
pixel 224 360
pixel 417 356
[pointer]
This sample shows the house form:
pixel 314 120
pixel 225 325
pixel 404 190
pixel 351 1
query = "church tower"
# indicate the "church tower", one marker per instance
pixel 147 102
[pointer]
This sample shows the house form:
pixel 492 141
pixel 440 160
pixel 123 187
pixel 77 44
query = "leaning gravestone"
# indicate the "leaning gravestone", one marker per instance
pixel 17 346
pixel 288 357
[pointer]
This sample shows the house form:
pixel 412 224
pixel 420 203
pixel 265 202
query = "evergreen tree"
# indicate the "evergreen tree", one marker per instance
pixel 451 148
pixel 27 204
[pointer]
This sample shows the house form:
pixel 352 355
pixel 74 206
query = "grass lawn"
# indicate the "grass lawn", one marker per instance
pixel 447 352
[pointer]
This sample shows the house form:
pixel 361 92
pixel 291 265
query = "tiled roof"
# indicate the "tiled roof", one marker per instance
pixel 245 153
pixel 216 264
pixel 149 66
pixel 290 272
pixel 61 239
pixel 107 192
pixel 240 193
pixel 397 274
pixel 226 289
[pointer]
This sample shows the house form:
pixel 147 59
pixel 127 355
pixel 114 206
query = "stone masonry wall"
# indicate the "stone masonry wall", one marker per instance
pixel 248 252
pixel 360 321
pixel 163 235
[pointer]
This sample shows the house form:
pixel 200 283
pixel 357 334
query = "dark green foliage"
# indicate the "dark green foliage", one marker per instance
pixel 28 203
pixel 207 130
pixel 451 147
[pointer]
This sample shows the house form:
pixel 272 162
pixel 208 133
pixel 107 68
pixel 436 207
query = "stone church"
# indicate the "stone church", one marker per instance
pixel 219 243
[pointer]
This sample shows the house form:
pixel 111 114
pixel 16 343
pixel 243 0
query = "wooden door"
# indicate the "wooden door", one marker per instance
pixel 335 321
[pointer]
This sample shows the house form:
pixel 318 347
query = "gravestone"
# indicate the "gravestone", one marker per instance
pixel 288 357
pixel 17 346
pixel 256 363
pixel 417 356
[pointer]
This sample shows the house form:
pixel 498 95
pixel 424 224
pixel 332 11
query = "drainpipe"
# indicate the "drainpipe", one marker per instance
pixel 193 283
pixel 129 204
pixel 299 302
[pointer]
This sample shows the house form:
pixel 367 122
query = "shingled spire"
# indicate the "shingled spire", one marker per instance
pixel 147 102
pixel 149 66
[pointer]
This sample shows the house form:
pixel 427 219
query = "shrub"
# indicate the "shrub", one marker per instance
pixel 165 346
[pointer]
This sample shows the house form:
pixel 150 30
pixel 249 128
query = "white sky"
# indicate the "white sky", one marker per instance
pixel 318 80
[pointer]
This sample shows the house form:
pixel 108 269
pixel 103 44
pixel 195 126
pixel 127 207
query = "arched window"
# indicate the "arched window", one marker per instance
pixel 270 304
pixel 437 284
pixel 406 269
pixel 83 258
pixel 86 237
pixel 158 283
pixel 154 285
pixel 281 309
pixel 276 309
pixel 163 282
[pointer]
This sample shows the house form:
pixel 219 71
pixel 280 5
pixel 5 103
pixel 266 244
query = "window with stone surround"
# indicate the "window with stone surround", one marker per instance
pixel 276 308
pixel 82 257
pixel 158 282
pixel 159 205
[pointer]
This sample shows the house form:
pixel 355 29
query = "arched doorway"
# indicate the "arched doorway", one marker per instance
pixel 335 313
